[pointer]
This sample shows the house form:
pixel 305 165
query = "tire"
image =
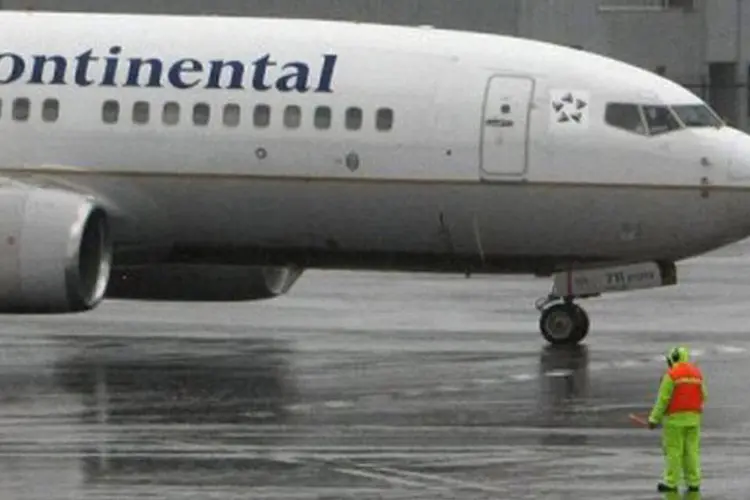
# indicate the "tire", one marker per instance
pixel 564 324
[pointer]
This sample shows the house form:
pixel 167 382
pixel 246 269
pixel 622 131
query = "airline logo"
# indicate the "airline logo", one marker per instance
pixel 569 108
pixel 262 74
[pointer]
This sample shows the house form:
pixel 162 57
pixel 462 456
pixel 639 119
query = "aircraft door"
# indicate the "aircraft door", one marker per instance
pixel 505 124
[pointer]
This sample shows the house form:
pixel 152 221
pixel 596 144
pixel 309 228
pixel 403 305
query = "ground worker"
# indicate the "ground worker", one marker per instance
pixel 679 408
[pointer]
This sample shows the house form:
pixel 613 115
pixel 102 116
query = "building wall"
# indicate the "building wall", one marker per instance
pixel 697 48
pixel 489 16
pixel 654 39
pixel 568 22
pixel 721 32
pixel 649 39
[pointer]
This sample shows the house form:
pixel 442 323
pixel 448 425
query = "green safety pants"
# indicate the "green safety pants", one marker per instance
pixel 682 452
pixel 676 496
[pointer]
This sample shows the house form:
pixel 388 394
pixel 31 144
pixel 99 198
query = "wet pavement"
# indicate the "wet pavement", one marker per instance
pixel 365 386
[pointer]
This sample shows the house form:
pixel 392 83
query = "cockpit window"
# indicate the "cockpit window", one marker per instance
pixel 655 120
pixel 693 115
pixel 660 119
pixel 626 117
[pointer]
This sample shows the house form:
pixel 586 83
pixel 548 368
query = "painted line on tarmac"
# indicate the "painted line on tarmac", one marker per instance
pixel 388 478
pixel 437 479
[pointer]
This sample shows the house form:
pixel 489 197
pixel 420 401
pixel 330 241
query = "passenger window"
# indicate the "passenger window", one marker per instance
pixel 262 115
pixel 323 117
pixel 110 112
pixel 140 112
pixel 384 119
pixel 626 117
pixel 21 109
pixel 231 115
pixel 170 115
pixel 353 118
pixel 292 116
pixel 201 114
pixel 50 110
pixel 660 119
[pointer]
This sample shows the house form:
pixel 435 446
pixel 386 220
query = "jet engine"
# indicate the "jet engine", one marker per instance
pixel 201 282
pixel 55 251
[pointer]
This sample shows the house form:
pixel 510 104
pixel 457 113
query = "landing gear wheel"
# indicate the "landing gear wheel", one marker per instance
pixel 583 321
pixel 564 324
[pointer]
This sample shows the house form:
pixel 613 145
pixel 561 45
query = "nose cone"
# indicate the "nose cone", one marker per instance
pixel 739 156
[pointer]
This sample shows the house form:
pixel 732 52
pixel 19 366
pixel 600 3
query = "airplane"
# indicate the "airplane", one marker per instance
pixel 165 157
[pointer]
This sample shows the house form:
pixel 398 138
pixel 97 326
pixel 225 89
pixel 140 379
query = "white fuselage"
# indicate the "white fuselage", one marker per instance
pixel 496 154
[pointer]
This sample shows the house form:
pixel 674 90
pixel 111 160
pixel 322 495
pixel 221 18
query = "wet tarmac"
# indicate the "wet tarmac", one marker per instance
pixel 365 386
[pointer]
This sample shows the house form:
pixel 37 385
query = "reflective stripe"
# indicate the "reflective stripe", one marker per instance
pixel 688 380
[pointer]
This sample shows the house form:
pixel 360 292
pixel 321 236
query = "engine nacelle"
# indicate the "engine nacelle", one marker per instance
pixel 55 251
pixel 198 282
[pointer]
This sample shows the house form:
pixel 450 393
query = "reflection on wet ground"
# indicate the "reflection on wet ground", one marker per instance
pixel 145 400
pixel 187 417
pixel 154 382
pixel 175 404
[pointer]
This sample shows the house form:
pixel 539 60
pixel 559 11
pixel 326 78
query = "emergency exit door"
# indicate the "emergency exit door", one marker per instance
pixel 505 126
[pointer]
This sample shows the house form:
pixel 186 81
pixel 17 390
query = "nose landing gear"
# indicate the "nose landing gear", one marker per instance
pixel 563 323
